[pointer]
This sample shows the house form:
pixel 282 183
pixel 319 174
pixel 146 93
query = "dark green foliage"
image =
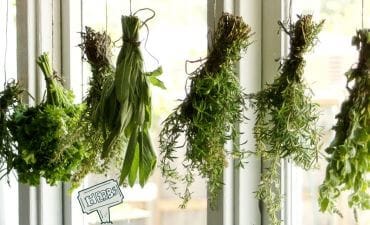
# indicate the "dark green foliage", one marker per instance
pixel 45 143
pixel 286 124
pixel 43 140
pixel 349 153
pixel 9 99
pixel 208 115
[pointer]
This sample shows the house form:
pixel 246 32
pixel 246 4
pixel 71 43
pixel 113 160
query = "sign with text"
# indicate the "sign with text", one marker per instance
pixel 100 198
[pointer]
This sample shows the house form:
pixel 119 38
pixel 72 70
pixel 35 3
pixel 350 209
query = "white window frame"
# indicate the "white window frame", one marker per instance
pixel 38 20
pixel 38 30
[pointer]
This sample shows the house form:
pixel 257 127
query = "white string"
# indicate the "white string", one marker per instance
pixel 106 16
pixel 130 7
pixel 6 39
pixel 362 14
pixel 82 54
pixel 52 32
pixel 290 11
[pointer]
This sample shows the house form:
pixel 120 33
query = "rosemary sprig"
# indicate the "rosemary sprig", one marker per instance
pixel 286 123
pixel 208 114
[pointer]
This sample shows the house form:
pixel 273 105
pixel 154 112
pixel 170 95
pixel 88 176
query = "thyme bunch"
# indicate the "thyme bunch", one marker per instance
pixel 349 152
pixel 286 123
pixel 208 115
pixel 97 50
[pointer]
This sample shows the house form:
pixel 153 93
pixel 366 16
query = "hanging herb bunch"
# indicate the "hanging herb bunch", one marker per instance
pixel 124 108
pixel 286 123
pixel 97 49
pixel 349 153
pixel 45 139
pixel 9 99
pixel 208 115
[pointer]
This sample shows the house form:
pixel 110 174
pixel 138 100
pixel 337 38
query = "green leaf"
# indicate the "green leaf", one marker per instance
pixel 155 73
pixel 28 157
pixel 134 167
pixel 347 167
pixel 147 159
pixel 324 203
pixel 129 157
pixel 360 135
pixel 156 82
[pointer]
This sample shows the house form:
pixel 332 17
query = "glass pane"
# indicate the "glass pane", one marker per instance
pixel 177 33
pixel 324 71
pixel 8 70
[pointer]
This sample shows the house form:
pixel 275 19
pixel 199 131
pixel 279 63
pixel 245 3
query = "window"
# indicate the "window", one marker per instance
pixel 178 33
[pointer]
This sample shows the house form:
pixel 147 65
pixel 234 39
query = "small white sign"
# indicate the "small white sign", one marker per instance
pixel 100 198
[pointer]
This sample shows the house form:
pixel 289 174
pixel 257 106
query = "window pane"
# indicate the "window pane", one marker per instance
pixel 324 71
pixel 8 70
pixel 177 33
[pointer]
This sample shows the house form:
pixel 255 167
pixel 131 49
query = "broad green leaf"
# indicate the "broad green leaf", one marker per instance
pixel 129 156
pixel 134 166
pixel 156 82
pixel 147 159
pixel 155 73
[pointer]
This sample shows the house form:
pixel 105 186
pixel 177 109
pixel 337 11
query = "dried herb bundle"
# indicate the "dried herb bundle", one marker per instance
pixel 286 123
pixel 124 109
pixel 9 99
pixel 349 153
pixel 46 140
pixel 97 49
pixel 209 113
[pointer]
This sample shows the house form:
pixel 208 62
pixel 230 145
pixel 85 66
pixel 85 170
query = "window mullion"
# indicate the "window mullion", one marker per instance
pixel 71 67
pixel 275 46
pixel 26 69
pixel 39 205
pixel 247 210
pixel 223 214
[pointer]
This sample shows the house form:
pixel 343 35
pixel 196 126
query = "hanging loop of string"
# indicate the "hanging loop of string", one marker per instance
pixel 145 9
pixel 200 60
pixel 146 40
pixel 144 23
